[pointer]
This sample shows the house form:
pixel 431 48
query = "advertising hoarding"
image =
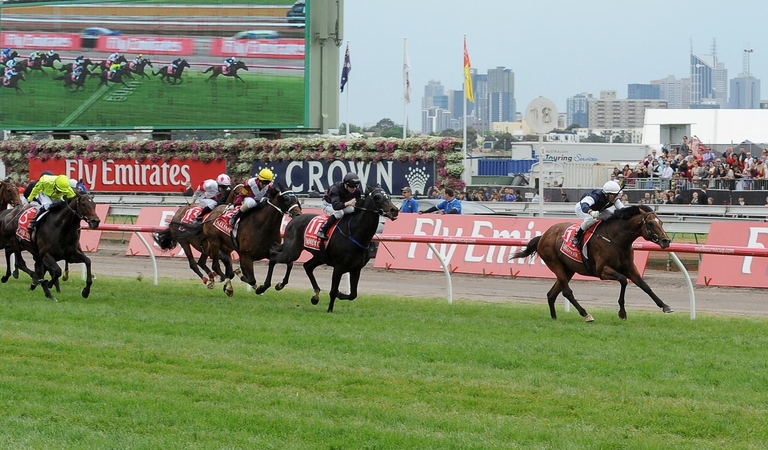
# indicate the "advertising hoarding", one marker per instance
pixel 742 271
pixel 268 88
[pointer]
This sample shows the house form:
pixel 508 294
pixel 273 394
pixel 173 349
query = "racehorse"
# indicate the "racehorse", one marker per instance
pixel 117 77
pixel 168 74
pixel 9 195
pixel 47 61
pixel 69 67
pixel 13 83
pixel 3 59
pixel 346 250
pixel 78 82
pixel 57 238
pixel 257 232
pixel 104 64
pixel 610 254
pixel 37 64
pixel 231 72
pixel 138 68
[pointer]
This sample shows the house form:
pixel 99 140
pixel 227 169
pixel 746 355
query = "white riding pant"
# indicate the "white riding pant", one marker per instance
pixel 587 219
pixel 207 202
pixel 42 200
pixel 338 213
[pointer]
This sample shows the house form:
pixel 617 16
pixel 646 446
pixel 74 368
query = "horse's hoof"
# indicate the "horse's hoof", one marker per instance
pixel 65 276
pixel 314 300
pixel 279 286
pixel 4 279
pixel 229 292
pixel 32 287
pixel 260 290
pixel 668 310
pixel 589 318
pixel 16 274
pixel 85 292
pixel 238 272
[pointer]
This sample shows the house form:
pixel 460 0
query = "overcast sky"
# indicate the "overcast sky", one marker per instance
pixel 556 48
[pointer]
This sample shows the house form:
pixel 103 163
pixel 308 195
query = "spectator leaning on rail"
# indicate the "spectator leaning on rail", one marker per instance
pixel 48 189
pixel 451 205
pixel 253 193
pixel 592 203
pixel 409 205
pixel 340 200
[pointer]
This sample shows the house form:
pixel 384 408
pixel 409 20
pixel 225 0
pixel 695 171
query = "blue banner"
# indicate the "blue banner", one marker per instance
pixel 316 176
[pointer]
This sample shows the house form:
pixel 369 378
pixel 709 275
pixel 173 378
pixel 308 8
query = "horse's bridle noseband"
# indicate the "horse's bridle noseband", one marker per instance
pixel 378 211
pixel 654 237
pixel 280 194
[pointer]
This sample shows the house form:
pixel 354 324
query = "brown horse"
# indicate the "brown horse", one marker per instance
pixel 9 195
pixel 257 232
pixel 610 252
pixel 178 234
pixel 13 82
pixel 346 251
pixel 57 238
pixel 232 72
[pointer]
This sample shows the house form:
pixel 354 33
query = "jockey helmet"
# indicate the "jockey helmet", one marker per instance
pixel 266 175
pixel 351 179
pixel 62 183
pixel 46 172
pixel 73 183
pixel 224 180
pixel 611 187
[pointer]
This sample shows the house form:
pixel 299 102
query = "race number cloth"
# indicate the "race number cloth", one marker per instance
pixel 22 231
pixel 310 233
pixel 571 250
pixel 222 222
pixel 191 215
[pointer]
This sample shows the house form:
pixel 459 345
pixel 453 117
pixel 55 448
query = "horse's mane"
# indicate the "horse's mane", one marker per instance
pixel 279 185
pixel 631 211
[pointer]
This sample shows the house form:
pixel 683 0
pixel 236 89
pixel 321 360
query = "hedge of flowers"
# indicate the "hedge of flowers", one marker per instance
pixel 239 154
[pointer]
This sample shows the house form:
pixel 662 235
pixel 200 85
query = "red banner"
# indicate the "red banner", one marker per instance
pixel 474 259
pixel 742 271
pixel 90 239
pixel 40 41
pixel 130 175
pixel 266 48
pixel 148 45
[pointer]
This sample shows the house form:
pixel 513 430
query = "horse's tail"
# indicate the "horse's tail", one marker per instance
pixel 208 69
pixel 529 249
pixel 156 73
pixel 165 240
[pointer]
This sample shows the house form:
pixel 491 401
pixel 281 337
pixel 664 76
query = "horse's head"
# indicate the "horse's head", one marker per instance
pixel 84 207
pixel 9 193
pixel 241 65
pixel 381 202
pixel 147 62
pixel 652 228
pixel 286 200
pixel 183 63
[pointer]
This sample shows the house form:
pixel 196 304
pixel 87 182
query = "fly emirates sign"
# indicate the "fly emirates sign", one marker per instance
pixel 130 175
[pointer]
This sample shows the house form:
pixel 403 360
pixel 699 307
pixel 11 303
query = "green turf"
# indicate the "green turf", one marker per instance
pixel 178 366
pixel 263 100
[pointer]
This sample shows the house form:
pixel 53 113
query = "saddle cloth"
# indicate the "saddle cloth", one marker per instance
pixel 22 230
pixel 311 242
pixel 569 249
pixel 191 214
pixel 222 222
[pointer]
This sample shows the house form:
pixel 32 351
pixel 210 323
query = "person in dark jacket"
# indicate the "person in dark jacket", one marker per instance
pixel 340 200
pixel 591 204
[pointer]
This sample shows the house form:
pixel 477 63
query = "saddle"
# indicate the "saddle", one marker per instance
pixel 570 250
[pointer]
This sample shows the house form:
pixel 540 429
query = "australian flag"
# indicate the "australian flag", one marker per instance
pixel 347 68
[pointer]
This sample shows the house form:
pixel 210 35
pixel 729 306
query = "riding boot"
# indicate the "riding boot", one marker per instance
pixel 234 217
pixel 33 222
pixel 205 211
pixel 321 234
pixel 577 239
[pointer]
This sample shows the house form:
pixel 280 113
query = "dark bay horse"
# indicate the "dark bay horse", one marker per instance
pixel 257 232
pixel 346 250
pixel 138 68
pixel 117 77
pixel 57 238
pixel 232 72
pixel 104 64
pixel 610 252
pixel 69 67
pixel 78 82
pixel 13 83
pixel 47 61
pixel 168 74
pixel 179 233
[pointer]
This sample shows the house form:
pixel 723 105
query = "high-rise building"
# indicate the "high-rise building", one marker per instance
pixel 709 80
pixel 577 110
pixel 745 89
pixel 608 112
pixel 480 86
pixel 501 95
pixel 676 92
pixel 637 91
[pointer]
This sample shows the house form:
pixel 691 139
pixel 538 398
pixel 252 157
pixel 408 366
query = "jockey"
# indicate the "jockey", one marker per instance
pixel 49 188
pixel 592 203
pixel 33 56
pixel 50 53
pixel 113 57
pixel 78 61
pixel 253 193
pixel 206 194
pixel 7 53
pixel 77 71
pixel 10 72
pixel 340 200
pixel 175 65
pixel 114 67
pixel 225 186
pixel 137 59
pixel 229 61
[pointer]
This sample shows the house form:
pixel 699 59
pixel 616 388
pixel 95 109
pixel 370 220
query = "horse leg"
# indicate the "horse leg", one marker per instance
pixel 334 292
pixel 552 298
pixel 608 273
pixel 279 286
pixel 65 275
pixel 80 257
pixel 309 268
pixel 354 278
pixel 194 265
pixel 8 267
pixel 268 279
pixel 634 275
pixel 561 285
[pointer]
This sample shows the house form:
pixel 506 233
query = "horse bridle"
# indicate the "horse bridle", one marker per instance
pixel 378 211
pixel 654 237
pixel 280 194
pixel 76 211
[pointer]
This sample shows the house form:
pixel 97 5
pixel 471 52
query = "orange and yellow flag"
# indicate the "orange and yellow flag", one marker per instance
pixel 468 92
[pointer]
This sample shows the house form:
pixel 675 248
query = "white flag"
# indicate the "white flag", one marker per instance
pixel 406 78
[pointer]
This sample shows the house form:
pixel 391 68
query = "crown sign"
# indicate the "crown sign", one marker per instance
pixel 417 178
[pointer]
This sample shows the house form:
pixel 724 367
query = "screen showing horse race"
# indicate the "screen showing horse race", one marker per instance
pixel 174 64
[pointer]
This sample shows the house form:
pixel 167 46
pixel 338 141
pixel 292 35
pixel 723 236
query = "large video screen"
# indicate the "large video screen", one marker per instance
pixel 158 65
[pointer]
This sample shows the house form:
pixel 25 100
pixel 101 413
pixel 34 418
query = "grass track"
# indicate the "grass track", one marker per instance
pixel 267 100
pixel 177 366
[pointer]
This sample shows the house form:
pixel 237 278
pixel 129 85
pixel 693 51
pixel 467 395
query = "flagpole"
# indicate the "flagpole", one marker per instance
pixel 347 99
pixel 464 137
pixel 405 88
pixel 467 162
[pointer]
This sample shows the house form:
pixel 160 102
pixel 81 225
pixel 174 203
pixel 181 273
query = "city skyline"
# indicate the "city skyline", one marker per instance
pixel 555 50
